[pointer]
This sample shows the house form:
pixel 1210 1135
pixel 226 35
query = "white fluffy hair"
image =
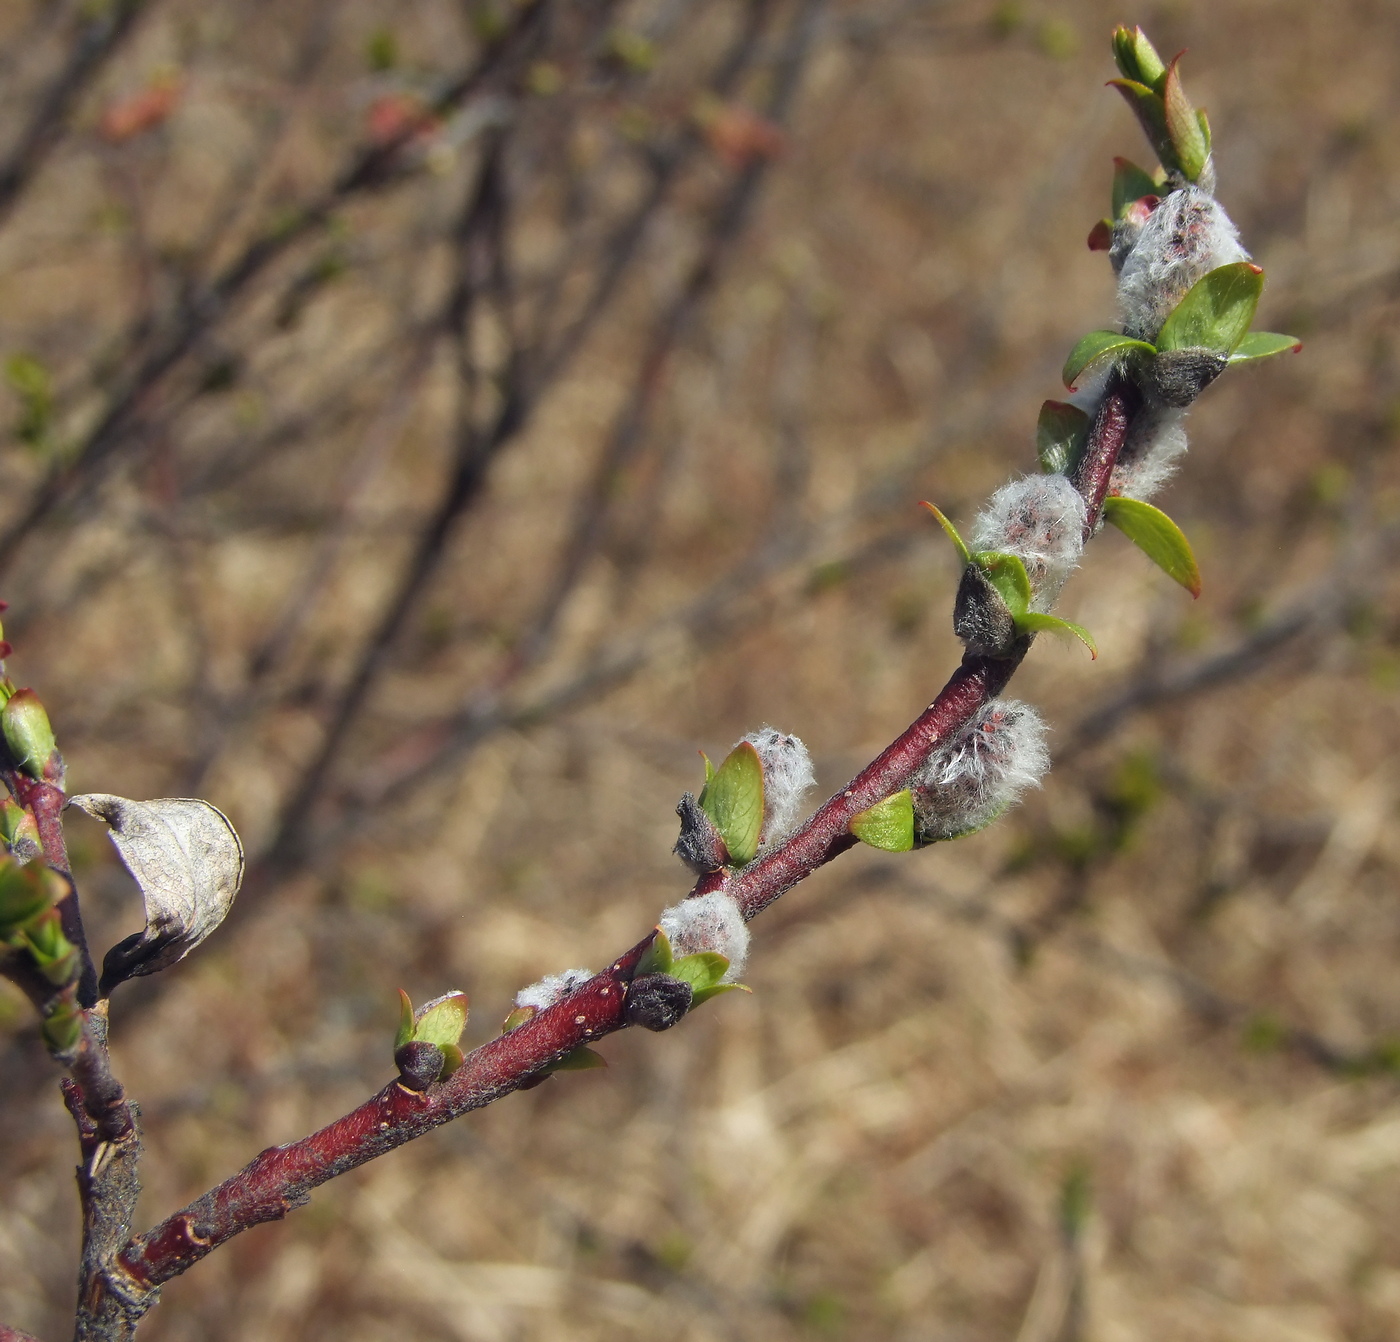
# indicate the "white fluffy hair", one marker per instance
pixel 1185 237
pixel 709 922
pixel 1040 519
pixel 973 777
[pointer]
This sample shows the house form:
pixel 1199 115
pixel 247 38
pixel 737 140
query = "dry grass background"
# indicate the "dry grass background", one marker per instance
pixel 1122 1067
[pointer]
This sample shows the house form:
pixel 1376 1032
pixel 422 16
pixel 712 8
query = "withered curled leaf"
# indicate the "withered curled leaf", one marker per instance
pixel 188 861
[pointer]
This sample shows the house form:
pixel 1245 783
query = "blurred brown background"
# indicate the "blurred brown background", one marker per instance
pixel 427 425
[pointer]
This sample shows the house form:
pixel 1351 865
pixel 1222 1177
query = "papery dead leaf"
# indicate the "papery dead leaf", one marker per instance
pixel 188 861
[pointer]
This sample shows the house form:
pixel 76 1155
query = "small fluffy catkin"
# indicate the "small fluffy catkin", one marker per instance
pixel 1150 455
pixel 552 988
pixel 787 779
pixel 1040 519
pixel 710 922
pixel 972 778
pixel 1187 235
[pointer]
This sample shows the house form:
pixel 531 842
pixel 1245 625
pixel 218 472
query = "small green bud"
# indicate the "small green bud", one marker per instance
pixel 25 893
pixel 1137 58
pixel 28 733
pixel 19 830
pixel 62 1027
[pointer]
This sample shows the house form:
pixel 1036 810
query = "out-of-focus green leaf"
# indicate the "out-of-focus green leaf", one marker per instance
pixel 1130 183
pixel 1060 435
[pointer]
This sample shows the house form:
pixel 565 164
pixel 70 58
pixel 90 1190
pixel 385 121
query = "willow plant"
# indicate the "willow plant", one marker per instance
pixel 1187 293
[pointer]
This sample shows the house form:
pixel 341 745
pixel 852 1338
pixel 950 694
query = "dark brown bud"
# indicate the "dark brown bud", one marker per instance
pixel 419 1064
pixel 1176 377
pixel 980 616
pixel 657 1001
pixel 700 846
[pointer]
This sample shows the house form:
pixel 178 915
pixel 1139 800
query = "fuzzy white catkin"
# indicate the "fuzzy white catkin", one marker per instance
pixel 710 922
pixel 552 988
pixel 787 779
pixel 1187 235
pixel 971 779
pixel 1150 455
pixel 1040 519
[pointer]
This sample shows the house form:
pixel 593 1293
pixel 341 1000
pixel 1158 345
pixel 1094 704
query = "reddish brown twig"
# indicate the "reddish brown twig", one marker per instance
pixel 282 1178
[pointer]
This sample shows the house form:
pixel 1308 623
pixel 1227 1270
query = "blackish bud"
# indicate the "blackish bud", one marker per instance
pixel 981 618
pixel 419 1064
pixel 700 845
pixel 657 1001
pixel 1175 377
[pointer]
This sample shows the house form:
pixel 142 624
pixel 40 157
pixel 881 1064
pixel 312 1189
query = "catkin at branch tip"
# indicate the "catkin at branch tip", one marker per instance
pixel 552 988
pixel 1040 519
pixel 1187 235
pixel 787 779
pixel 711 922
pixel 973 777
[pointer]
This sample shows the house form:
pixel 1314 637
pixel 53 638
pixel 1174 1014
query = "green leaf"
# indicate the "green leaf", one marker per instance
pixel 1130 183
pixel 715 990
pixel 1151 113
pixel 1205 125
pixel 1137 58
pixel 1007 573
pixel 1157 536
pixel 702 970
pixel 1060 435
pixel 1261 344
pixel 657 958
pixel 952 533
pixel 518 1017
pixel 1216 311
pixel 1097 346
pixel 1033 622
pixel 582 1059
pixel 1184 126
pixel 733 799
pixel 888 825
pixel 26 892
pixel 442 1020
pixel 452 1059
pixel 405 1020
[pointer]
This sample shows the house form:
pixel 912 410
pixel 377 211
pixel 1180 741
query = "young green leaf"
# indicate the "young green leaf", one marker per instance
pixel 442 1020
pixel 1261 344
pixel 1131 183
pixel 888 825
pixel 1097 346
pixel 1184 126
pixel 582 1059
pixel 1060 435
pixel 1216 311
pixel 657 958
pixel 26 892
pixel 715 990
pixel 702 970
pixel 405 1031
pixel 733 799
pixel 1033 622
pixel 1151 113
pixel 1137 58
pixel 1157 536
pixel 952 533
pixel 1007 574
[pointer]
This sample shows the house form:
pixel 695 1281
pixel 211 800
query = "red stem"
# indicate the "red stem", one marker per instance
pixel 282 1177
